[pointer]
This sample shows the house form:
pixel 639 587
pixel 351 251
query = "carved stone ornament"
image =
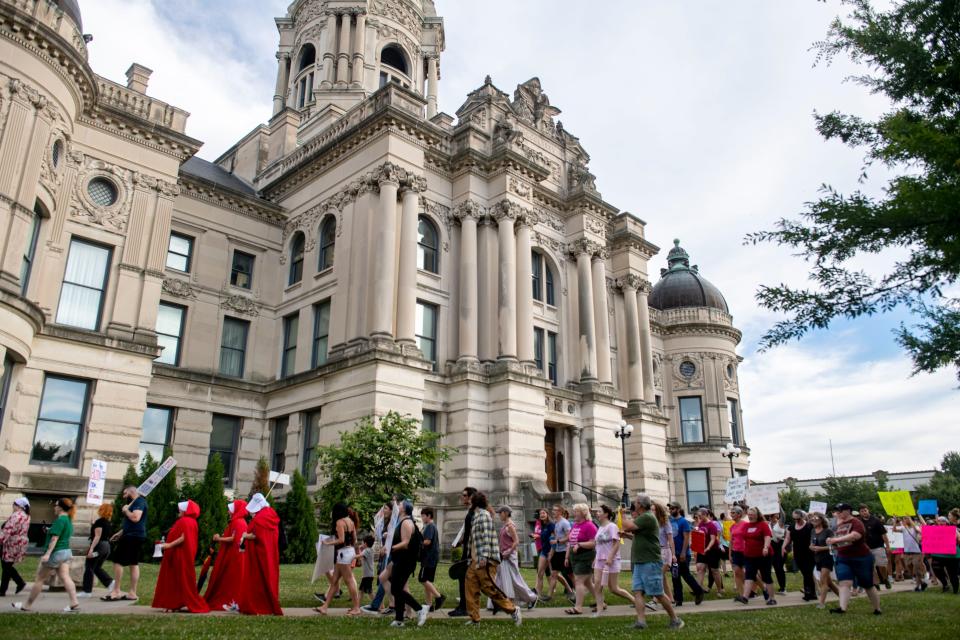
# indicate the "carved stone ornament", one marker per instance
pixel 519 187
pixel 658 370
pixel 505 209
pixel 506 132
pixel 240 304
pixel 83 209
pixel 400 12
pixel 596 226
pixel 730 374
pixel 469 209
pixel 178 288
pixel 583 245
pixel 532 106
pixel 629 283
pixel 682 377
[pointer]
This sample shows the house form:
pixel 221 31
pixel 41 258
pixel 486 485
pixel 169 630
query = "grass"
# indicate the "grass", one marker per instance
pixel 927 616
pixel 296 590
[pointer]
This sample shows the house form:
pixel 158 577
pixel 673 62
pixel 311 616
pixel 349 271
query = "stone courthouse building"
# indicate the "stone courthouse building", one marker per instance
pixel 361 252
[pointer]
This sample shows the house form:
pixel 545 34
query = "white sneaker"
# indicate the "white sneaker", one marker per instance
pixel 84 594
pixel 69 609
pixel 396 623
pixel 517 619
pixel 113 585
pixel 422 615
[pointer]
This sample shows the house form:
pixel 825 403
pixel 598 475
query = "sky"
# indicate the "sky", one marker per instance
pixel 698 116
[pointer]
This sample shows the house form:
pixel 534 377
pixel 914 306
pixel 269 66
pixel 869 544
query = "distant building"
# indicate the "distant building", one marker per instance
pixel 902 481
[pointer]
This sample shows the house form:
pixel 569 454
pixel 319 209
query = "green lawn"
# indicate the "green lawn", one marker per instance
pixel 296 590
pixel 927 616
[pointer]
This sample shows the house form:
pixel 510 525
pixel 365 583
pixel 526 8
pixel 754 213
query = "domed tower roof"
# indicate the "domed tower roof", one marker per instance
pixel 72 9
pixel 681 285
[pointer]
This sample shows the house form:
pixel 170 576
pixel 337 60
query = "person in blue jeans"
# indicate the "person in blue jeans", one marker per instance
pixel 681 540
pixel 382 564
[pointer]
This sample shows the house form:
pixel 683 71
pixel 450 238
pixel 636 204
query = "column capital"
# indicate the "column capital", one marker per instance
pixel 283 55
pixel 469 209
pixel 576 431
pixel 388 173
pixel 413 184
pixel 506 210
pixel 601 254
pixel 645 287
pixel 583 246
pixel 629 282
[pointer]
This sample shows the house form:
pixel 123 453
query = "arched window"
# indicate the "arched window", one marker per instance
pixel 304 83
pixel 428 245
pixel 328 240
pixel 393 56
pixel 543 288
pixel 308 57
pixel 296 258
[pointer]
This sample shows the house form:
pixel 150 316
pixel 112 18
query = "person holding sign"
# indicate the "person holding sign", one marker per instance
pixel 912 558
pixel 130 540
pixel 177 582
pixel 945 566
pixel 758 556
pixel 260 594
pixel 226 579
pixel 854 559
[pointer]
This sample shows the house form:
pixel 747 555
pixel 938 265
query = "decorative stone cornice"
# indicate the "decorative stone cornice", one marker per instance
pixel 240 304
pixel 178 288
pixel 199 189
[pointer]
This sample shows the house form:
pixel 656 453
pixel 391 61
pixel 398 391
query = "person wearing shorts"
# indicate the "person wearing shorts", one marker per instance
pixel 343 540
pixel 129 544
pixel 646 561
pixel 369 563
pixel 56 558
pixel 757 541
pixel 822 558
pixel 581 552
pixel 854 559
pixel 737 560
pixel 429 558
pixel 879 543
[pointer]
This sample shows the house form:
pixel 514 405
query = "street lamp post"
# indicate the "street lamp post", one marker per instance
pixel 730 452
pixel 623 433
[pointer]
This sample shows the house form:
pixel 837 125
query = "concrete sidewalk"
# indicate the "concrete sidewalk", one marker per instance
pixel 55 602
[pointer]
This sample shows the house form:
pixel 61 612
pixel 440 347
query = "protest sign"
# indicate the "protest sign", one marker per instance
pixel 765 498
pixel 279 478
pixel 150 483
pixel 817 507
pixel 895 538
pixel 897 503
pixel 727 526
pixel 698 540
pixel 98 478
pixel 736 489
pixel 325 559
pixel 927 508
pixel 939 539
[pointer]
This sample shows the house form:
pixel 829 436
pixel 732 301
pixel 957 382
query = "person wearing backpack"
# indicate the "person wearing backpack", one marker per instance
pixel 407 541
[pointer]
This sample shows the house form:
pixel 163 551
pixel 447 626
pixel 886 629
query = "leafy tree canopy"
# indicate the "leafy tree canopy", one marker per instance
pixel 944 487
pixel 374 462
pixel 911 53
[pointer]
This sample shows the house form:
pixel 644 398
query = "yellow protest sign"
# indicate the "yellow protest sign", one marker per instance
pixel 727 525
pixel 897 503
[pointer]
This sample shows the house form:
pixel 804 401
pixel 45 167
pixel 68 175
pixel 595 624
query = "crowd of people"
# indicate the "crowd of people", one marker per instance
pixel 847 552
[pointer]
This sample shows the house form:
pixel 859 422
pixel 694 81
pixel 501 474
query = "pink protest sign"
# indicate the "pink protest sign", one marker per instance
pixel 939 539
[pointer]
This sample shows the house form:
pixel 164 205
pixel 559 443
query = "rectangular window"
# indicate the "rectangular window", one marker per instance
pixel 538 347
pixel 288 364
pixel 63 411
pixel 169 332
pixel 81 297
pixel 278 444
pixel 691 420
pixel 311 435
pixel 5 386
pixel 157 427
pixel 552 357
pixel 537 269
pixel 551 298
pixel 698 488
pixel 30 250
pixel 180 252
pixel 734 422
pixel 223 441
pixel 241 272
pixel 233 346
pixel 429 424
pixel 427 331
pixel 321 332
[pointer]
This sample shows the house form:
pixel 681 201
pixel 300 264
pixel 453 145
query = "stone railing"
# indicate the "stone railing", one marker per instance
pixel 692 315
pixel 47 13
pixel 141 105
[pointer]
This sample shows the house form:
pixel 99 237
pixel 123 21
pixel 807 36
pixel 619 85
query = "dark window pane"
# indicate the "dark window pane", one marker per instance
pixel 241 272
pixel 223 441
pixel 296 258
pixel 428 243
pixel 169 331
pixel 536 265
pixel 328 240
pixel 233 347
pixel 551 300
pixel 698 488
pixel 279 444
pixel 291 325
pixel 426 328
pixel 321 331
pixel 55 442
pixel 691 420
pixel 311 435
pixel 538 347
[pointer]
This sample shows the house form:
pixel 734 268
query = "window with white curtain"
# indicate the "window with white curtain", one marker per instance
pixel 84 282
pixel 288 358
pixel 233 346
pixel 691 420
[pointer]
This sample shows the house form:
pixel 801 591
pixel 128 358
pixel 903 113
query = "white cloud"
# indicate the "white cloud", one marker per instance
pixel 698 118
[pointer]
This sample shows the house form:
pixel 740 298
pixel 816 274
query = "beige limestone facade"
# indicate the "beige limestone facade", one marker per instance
pixel 359 253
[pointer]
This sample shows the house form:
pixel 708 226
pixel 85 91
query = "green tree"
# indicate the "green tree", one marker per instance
pixel 374 462
pixel 261 478
pixel 130 477
pixel 299 517
pixel 944 486
pixel 161 502
pixel 213 504
pixel 910 53
pixel 793 498
pixel 852 491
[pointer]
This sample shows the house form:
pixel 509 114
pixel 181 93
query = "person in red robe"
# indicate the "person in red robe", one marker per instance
pixel 177 582
pixel 226 577
pixel 260 594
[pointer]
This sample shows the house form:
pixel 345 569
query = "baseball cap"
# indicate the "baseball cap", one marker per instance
pixel 22 503
pixel 843 506
pixel 673 505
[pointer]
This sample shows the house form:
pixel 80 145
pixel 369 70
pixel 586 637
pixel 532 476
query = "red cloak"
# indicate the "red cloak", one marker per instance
pixel 226 577
pixel 260 594
pixel 177 582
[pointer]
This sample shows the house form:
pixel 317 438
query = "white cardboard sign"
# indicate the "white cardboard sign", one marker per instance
pixel 98 478
pixel 764 498
pixel 150 483
pixel 736 489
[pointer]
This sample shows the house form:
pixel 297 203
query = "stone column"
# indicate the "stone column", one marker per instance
pixel 358 278
pixel 629 284
pixel 468 213
pixel 432 77
pixel 646 352
pixel 488 269
pixel 583 249
pixel 407 273
pixel 576 464
pixel 524 292
pixel 505 214
pixel 601 315
pixel 384 257
pixel 329 52
pixel 343 57
pixel 283 79
pixel 359 42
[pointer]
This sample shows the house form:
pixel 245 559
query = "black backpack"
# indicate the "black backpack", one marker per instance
pixel 416 541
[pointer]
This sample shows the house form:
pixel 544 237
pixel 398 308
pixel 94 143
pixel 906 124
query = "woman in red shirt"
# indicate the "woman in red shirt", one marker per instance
pixel 758 555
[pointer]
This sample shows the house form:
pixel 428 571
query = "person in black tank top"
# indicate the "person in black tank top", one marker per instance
pixel 404 562
pixel 345 523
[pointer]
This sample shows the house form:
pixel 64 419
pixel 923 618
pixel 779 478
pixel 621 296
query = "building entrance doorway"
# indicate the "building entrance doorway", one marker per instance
pixel 553 460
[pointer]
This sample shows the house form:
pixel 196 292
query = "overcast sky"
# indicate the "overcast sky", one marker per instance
pixel 698 119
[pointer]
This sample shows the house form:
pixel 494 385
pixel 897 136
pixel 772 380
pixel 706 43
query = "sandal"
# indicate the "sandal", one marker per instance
pixel 127 598
pixel 320 610
pixel 110 598
pixel 573 612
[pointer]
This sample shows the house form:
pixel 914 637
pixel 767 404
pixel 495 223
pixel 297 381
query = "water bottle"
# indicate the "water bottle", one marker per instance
pixel 675 569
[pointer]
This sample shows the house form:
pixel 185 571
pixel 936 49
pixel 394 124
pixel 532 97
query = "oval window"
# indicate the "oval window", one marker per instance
pixel 56 152
pixel 102 192
pixel 687 369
